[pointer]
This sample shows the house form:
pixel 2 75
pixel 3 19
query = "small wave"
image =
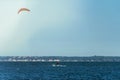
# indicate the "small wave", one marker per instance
pixel 58 65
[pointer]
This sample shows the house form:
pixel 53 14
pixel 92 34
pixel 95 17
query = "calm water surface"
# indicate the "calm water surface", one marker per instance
pixel 66 71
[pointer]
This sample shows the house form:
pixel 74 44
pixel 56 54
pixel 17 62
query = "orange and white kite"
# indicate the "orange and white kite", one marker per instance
pixel 23 9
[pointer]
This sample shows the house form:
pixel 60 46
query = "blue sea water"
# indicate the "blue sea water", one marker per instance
pixel 69 71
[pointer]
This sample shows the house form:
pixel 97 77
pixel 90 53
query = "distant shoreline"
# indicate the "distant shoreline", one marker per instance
pixel 59 59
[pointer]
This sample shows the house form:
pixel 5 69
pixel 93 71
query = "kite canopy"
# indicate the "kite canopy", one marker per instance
pixel 23 9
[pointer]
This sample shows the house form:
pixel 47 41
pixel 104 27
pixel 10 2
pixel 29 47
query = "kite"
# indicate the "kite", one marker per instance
pixel 23 9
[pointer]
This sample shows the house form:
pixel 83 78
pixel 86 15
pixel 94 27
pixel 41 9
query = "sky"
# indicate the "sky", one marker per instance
pixel 60 28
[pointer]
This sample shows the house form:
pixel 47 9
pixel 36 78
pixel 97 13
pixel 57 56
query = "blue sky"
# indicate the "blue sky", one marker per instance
pixel 60 28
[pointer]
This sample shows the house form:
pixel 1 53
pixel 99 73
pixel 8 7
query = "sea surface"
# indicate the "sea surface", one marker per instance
pixel 63 71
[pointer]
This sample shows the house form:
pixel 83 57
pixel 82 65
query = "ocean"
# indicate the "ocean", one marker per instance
pixel 61 71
